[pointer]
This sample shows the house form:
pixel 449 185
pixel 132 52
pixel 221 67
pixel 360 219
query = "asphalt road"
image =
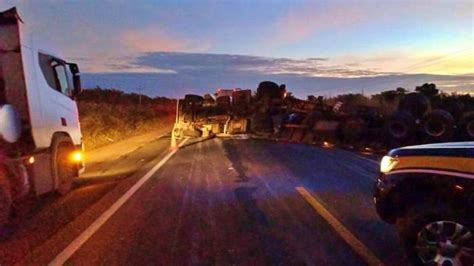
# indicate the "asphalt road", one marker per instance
pixel 222 201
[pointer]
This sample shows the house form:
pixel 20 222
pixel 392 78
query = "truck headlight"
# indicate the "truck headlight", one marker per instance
pixel 77 156
pixel 387 164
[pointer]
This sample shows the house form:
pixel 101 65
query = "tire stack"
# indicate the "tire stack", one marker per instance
pixel 419 121
pixel 267 103
pixel 466 126
pixel 402 125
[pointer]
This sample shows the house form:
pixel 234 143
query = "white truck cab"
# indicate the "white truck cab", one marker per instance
pixel 40 136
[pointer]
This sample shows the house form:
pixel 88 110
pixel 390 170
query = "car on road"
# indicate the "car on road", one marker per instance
pixel 427 192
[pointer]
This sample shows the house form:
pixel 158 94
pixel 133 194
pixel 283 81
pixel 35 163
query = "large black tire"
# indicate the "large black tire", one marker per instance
pixel 466 126
pixel 63 169
pixel 413 232
pixel 414 103
pixel 438 125
pixel 400 126
pixel 452 105
pixel 270 89
pixel 5 197
pixel 193 99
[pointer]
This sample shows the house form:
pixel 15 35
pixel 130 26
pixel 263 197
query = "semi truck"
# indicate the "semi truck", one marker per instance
pixel 40 136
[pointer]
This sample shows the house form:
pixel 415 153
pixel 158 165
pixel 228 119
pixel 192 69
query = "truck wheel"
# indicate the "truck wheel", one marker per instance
pixel 438 125
pixel 433 235
pixel 466 126
pixel 401 126
pixel 415 103
pixel 63 169
pixel 5 197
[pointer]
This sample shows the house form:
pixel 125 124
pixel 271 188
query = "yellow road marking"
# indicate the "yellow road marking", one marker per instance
pixel 77 243
pixel 360 248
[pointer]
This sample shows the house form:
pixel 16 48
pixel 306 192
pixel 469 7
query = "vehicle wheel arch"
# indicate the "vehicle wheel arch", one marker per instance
pixel 57 135
pixel 414 189
pixel 417 189
pixel 57 138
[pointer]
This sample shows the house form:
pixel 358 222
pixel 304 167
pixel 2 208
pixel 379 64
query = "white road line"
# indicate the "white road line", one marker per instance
pixel 360 248
pixel 62 257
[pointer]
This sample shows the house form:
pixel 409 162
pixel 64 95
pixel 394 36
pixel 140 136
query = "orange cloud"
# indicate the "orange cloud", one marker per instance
pixel 152 40
pixel 301 23
pixel 306 20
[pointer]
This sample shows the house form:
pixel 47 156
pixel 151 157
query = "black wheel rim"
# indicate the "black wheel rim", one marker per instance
pixel 398 129
pixel 435 128
pixel 445 243
pixel 470 129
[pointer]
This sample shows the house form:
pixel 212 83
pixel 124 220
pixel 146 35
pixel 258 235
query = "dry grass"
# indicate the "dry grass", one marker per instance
pixel 109 115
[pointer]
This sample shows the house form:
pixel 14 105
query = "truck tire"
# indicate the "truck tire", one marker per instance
pixel 401 126
pixel 438 125
pixel 5 197
pixel 424 232
pixel 270 89
pixel 414 103
pixel 466 126
pixel 193 99
pixel 62 167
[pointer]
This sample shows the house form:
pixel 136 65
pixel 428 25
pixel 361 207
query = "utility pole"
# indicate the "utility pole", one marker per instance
pixel 139 97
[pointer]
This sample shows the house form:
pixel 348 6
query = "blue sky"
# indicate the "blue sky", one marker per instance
pixel 356 39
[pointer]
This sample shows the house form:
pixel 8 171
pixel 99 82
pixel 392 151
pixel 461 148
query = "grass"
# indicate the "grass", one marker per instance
pixel 110 115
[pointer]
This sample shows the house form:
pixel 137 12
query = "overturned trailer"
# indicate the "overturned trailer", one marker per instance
pixel 272 112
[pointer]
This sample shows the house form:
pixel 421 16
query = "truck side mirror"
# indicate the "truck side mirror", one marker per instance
pixel 76 79
pixel 10 124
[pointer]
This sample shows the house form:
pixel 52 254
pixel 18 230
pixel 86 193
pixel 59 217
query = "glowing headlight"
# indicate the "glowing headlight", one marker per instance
pixel 76 156
pixel 387 164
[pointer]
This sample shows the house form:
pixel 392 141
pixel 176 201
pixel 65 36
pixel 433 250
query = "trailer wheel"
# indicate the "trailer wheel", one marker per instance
pixel 5 197
pixel 63 169
pixel 466 126
pixel 414 103
pixel 401 125
pixel 438 125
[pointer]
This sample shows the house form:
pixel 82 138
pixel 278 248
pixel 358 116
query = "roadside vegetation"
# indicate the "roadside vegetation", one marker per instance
pixel 110 115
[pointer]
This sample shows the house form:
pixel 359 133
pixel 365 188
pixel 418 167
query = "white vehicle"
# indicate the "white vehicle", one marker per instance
pixel 40 137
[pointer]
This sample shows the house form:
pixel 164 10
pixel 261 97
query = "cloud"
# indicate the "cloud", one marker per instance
pixel 336 17
pixel 302 22
pixel 226 63
pixel 152 40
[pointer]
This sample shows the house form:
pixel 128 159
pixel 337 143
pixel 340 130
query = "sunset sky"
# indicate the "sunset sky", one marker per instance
pixel 334 39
